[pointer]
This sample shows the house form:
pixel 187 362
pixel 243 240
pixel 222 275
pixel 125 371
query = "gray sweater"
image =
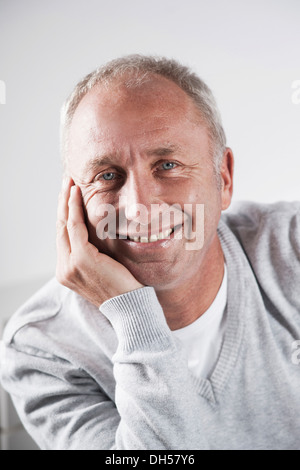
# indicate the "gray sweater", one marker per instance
pixel 117 379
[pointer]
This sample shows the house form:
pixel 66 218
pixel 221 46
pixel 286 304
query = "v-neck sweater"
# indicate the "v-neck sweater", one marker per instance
pixel 202 339
pixel 118 379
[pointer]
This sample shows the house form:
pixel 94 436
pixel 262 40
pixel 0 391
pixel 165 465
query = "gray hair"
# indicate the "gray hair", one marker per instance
pixel 133 70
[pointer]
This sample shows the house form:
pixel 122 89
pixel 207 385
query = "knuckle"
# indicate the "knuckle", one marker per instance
pixel 61 278
pixel 73 272
pixel 68 275
pixel 78 264
pixel 60 225
pixel 71 225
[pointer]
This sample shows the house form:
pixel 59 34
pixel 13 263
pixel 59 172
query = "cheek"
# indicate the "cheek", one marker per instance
pixel 205 202
pixel 212 215
pixel 95 213
pixel 95 204
pixel 91 213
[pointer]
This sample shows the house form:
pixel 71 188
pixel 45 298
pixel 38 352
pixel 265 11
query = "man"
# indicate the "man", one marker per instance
pixel 175 327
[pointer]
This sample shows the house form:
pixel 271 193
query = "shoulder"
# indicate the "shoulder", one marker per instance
pixel 269 235
pixel 58 324
pixel 45 304
pixel 251 214
pixel 276 225
pixel 52 318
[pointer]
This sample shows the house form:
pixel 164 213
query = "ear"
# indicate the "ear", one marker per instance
pixel 226 174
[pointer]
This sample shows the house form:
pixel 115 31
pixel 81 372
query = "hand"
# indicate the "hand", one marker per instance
pixel 80 266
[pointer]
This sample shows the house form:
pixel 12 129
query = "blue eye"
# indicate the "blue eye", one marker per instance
pixel 168 165
pixel 108 176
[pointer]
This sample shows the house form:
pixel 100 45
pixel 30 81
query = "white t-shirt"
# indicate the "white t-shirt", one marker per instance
pixel 202 340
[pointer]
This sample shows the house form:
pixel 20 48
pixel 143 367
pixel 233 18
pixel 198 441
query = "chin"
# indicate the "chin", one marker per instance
pixel 156 275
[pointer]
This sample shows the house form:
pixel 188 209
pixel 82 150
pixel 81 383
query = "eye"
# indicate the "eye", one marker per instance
pixel 168 165
pixel 108 176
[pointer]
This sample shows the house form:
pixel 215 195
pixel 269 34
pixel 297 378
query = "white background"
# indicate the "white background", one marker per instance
pixel 247 51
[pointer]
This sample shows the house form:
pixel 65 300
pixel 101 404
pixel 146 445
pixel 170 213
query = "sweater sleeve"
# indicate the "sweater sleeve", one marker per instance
pixel 61 405
pixel 155 396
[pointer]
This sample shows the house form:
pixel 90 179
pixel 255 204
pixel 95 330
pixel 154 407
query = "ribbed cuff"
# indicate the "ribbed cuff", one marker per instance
pixel 138 320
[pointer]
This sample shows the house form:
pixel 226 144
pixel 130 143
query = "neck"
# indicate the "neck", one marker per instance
pixel 185 303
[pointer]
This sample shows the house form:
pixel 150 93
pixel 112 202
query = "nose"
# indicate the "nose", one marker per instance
pixel 135 199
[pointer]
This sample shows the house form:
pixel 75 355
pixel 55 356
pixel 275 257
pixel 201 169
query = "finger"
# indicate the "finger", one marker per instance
pixel 63 243
pixel 77 230
pixel 63 208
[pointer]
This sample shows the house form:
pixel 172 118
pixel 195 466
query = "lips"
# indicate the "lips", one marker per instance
pixel 152 238
pixel 163 235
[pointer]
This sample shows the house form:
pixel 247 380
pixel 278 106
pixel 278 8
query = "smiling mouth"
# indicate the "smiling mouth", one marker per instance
pixel 165 234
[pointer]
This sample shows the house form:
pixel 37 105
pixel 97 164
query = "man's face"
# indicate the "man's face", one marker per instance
pixel 146 146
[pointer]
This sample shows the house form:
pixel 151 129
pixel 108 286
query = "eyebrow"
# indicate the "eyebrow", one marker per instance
pixel 99 161
pixel 163 151
pixel 111 159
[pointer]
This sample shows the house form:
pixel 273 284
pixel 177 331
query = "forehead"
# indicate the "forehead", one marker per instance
pixel 113 117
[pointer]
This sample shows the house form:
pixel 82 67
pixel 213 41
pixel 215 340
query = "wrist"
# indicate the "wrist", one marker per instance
pixel 138 320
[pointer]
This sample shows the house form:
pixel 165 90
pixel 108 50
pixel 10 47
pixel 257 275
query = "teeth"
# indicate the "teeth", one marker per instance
pixel 153 238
